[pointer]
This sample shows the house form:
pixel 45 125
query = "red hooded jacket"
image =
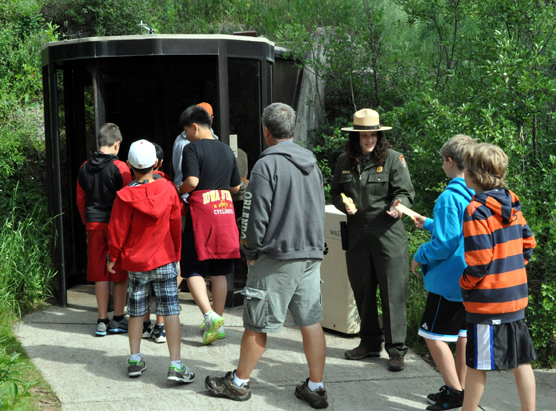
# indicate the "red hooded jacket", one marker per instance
pixel 145 226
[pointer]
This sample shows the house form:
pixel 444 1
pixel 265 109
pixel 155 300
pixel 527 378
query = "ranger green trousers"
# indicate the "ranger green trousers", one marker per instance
pixel 378 256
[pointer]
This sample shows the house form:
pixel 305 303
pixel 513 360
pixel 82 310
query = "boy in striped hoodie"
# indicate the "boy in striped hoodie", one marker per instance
pixel 498 243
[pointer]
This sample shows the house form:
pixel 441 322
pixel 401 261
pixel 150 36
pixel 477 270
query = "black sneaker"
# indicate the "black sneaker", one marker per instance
pixel 147 329
pixel 158 334
pixel 316 399
pixel 182 374
pixel 136 368
pixel 224 387
pixel 447 399
pixel 437 396
pixel 118 327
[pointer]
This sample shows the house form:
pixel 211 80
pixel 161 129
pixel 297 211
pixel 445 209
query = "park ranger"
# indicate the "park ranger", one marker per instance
pixel 370 180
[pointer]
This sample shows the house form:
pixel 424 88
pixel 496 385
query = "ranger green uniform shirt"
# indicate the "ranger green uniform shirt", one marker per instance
pixel 373 188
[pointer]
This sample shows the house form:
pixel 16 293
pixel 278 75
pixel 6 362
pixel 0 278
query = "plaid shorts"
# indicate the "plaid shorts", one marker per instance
pixel 165 285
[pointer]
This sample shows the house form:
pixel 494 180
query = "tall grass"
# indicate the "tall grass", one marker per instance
pixel 25 282
pixel 25 265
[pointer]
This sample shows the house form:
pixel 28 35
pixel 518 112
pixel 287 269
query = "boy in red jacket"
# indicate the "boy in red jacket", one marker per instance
pixel 156 331
pixel 145 238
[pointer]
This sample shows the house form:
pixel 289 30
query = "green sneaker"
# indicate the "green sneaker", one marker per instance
pixel 212 324
pixel 136 368
pixel 221 332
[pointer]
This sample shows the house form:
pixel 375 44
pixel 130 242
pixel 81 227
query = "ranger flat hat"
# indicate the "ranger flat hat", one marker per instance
pixel 366 120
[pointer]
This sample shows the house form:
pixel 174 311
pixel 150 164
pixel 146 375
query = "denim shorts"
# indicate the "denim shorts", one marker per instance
pixel 165 285
pixel 275 286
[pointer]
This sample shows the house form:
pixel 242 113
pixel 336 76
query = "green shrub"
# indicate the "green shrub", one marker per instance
pixel 326 149
pixel 541 317
pixel 417 296
pixel 25 267
pixel 12 388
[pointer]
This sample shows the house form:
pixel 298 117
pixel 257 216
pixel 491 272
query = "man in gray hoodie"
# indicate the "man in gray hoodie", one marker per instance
pixel 282 235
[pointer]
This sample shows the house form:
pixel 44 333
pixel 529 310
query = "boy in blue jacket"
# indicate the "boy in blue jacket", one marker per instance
pixel 442 261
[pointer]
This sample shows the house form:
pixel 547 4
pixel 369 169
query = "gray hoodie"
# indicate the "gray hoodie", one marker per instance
pixel 283 209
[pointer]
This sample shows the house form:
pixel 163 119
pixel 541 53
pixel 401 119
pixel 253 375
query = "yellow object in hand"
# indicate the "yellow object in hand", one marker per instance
pixel 407 211
pixel 349 203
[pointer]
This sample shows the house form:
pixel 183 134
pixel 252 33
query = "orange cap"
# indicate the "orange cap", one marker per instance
pixel 207 107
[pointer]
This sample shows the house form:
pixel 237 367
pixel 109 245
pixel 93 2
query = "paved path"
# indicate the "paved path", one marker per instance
pixel 89 373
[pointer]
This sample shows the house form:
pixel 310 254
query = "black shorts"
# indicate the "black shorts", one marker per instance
pixel 191 266
pixel 443 320
pixel 499 347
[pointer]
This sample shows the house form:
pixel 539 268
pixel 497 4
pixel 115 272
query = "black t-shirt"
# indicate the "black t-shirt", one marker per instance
pixel 212 162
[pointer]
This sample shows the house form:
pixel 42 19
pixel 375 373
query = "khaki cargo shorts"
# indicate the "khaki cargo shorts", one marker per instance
pixel 274 286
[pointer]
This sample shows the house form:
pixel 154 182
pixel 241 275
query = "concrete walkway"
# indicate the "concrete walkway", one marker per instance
pixel 89 373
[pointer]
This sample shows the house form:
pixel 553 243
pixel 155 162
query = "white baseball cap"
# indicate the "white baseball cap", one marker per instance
pixel 142 154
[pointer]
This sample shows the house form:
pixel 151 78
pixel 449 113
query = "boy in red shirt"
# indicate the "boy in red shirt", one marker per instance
pixel 99 179
pixel 145 238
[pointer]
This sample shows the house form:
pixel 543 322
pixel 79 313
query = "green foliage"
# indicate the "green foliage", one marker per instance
pixel 25 273
pixel 12 387
pixel 326 149
pixel 417 296
pixel 23 31
pixel 25 276
pixel 84 18
pixel 541 317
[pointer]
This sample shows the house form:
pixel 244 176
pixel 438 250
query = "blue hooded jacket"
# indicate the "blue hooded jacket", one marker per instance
pixel 443 257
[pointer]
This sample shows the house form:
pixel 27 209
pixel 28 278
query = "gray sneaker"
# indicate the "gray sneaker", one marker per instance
pixel 184 374
pixel 136 368
pixel 102 329
pixel 316 399
pixel 224 387
pixel 118 327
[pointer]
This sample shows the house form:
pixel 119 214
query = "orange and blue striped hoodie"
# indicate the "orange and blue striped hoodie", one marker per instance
pixel 498 244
